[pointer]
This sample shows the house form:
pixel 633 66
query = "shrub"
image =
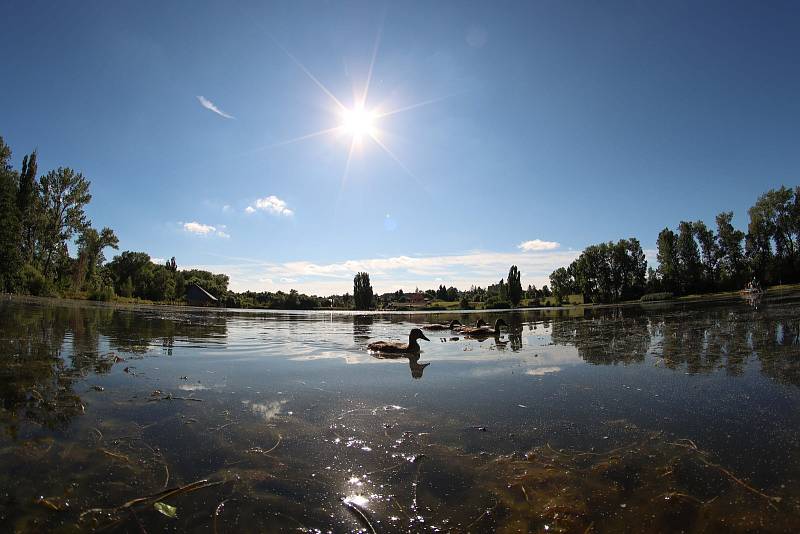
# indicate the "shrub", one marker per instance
pixel 650 297
pixel 496 303
pixel 104 292
pixel 34 282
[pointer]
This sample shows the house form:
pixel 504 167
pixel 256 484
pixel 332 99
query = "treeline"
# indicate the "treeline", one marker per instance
pixel 41 216
pixel 505 294
pixel 694 258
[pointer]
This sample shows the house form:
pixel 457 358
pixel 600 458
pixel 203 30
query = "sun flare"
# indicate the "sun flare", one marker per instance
pixel 359 122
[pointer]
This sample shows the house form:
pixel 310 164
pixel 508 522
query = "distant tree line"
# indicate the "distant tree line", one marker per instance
pixel 694 258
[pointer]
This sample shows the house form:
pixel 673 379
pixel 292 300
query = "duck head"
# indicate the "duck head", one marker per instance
pixel 479 323
pixel 498 323
pixel 416 334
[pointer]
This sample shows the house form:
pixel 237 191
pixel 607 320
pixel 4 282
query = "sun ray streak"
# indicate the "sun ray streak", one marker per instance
pixel 307 136
pixel 345 173
pixel 308 73
pixel 372 62
pixel 394 157
pixel 417 105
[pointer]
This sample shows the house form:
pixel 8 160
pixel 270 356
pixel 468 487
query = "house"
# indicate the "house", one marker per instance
pixel 197 296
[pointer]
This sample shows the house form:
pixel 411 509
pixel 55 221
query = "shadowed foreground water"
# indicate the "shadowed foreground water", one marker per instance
pixel 665 417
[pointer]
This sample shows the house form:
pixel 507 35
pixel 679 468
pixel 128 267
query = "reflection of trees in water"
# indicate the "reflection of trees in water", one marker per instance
pixel 35 382
pixel 777 344
pixel 43 350
pixel 609 337
pixel 362 327
pixel 720 337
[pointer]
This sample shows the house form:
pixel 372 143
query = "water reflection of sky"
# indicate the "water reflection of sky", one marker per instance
pixel 218 386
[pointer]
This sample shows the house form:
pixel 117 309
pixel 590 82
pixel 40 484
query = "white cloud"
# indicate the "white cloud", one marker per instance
pixel 226 208
pixel 272 205
pixel 389 274
pixel 197 228
pixel 537 244
pixel 208 104
pixel 158 261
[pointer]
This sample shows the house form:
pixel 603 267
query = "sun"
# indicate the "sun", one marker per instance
pixel 359 122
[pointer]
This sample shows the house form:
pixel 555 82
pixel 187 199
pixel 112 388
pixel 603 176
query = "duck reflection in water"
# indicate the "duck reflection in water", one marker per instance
pixel 413 361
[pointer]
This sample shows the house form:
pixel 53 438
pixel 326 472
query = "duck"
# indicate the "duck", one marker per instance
pixel 397 347
pixel 483 330
pixel 436 326
pixel 478 324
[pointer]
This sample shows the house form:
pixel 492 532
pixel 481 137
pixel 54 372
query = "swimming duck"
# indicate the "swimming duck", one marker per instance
pixel 478 324
pixel 483 330
pixel 436 326
pixel 395 347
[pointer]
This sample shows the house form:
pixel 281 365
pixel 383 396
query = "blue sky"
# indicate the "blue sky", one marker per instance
pixel 557 124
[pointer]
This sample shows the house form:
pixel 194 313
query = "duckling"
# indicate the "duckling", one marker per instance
pixel 484 331
pixel 436 326
pixel 395 347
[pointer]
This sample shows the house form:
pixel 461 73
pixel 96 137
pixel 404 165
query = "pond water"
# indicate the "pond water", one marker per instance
pixel 639 418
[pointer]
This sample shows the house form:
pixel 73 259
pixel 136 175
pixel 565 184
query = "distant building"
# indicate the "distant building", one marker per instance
pixel 416 298
pixel 197 296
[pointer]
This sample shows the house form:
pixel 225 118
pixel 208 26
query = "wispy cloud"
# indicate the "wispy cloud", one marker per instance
pixel 537 244
pixel 209 105
pixel 201 229
pixel 272 205
pixel 389 274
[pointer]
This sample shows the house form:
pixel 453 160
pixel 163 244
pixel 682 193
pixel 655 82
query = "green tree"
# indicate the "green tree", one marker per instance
pixel 10 253
pixel 514 285
pixel 731 254
pixel 690 268
pixel 27 204
pixel 561 283
pixel 709 253
pixel 90 251
pixel 64 195
pixel 668 265
pixel 773 235
pixel 362 291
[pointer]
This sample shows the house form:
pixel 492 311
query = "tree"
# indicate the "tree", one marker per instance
pixel 561 283
pixel 688 258
pixel 27 200
pixel 10 253
pixel 730 252
pixel 709 253
pixel 362 291
pixel 451 295
pixel 90 250
pixel 668 264
pixel 773 235
pixel 64 194
pixel 514 285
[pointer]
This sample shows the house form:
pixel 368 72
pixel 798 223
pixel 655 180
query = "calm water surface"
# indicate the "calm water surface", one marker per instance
pixel 670 417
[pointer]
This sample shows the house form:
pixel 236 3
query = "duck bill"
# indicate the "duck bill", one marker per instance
pixel 425 338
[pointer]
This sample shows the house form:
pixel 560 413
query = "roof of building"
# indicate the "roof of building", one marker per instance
pixel 207 294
